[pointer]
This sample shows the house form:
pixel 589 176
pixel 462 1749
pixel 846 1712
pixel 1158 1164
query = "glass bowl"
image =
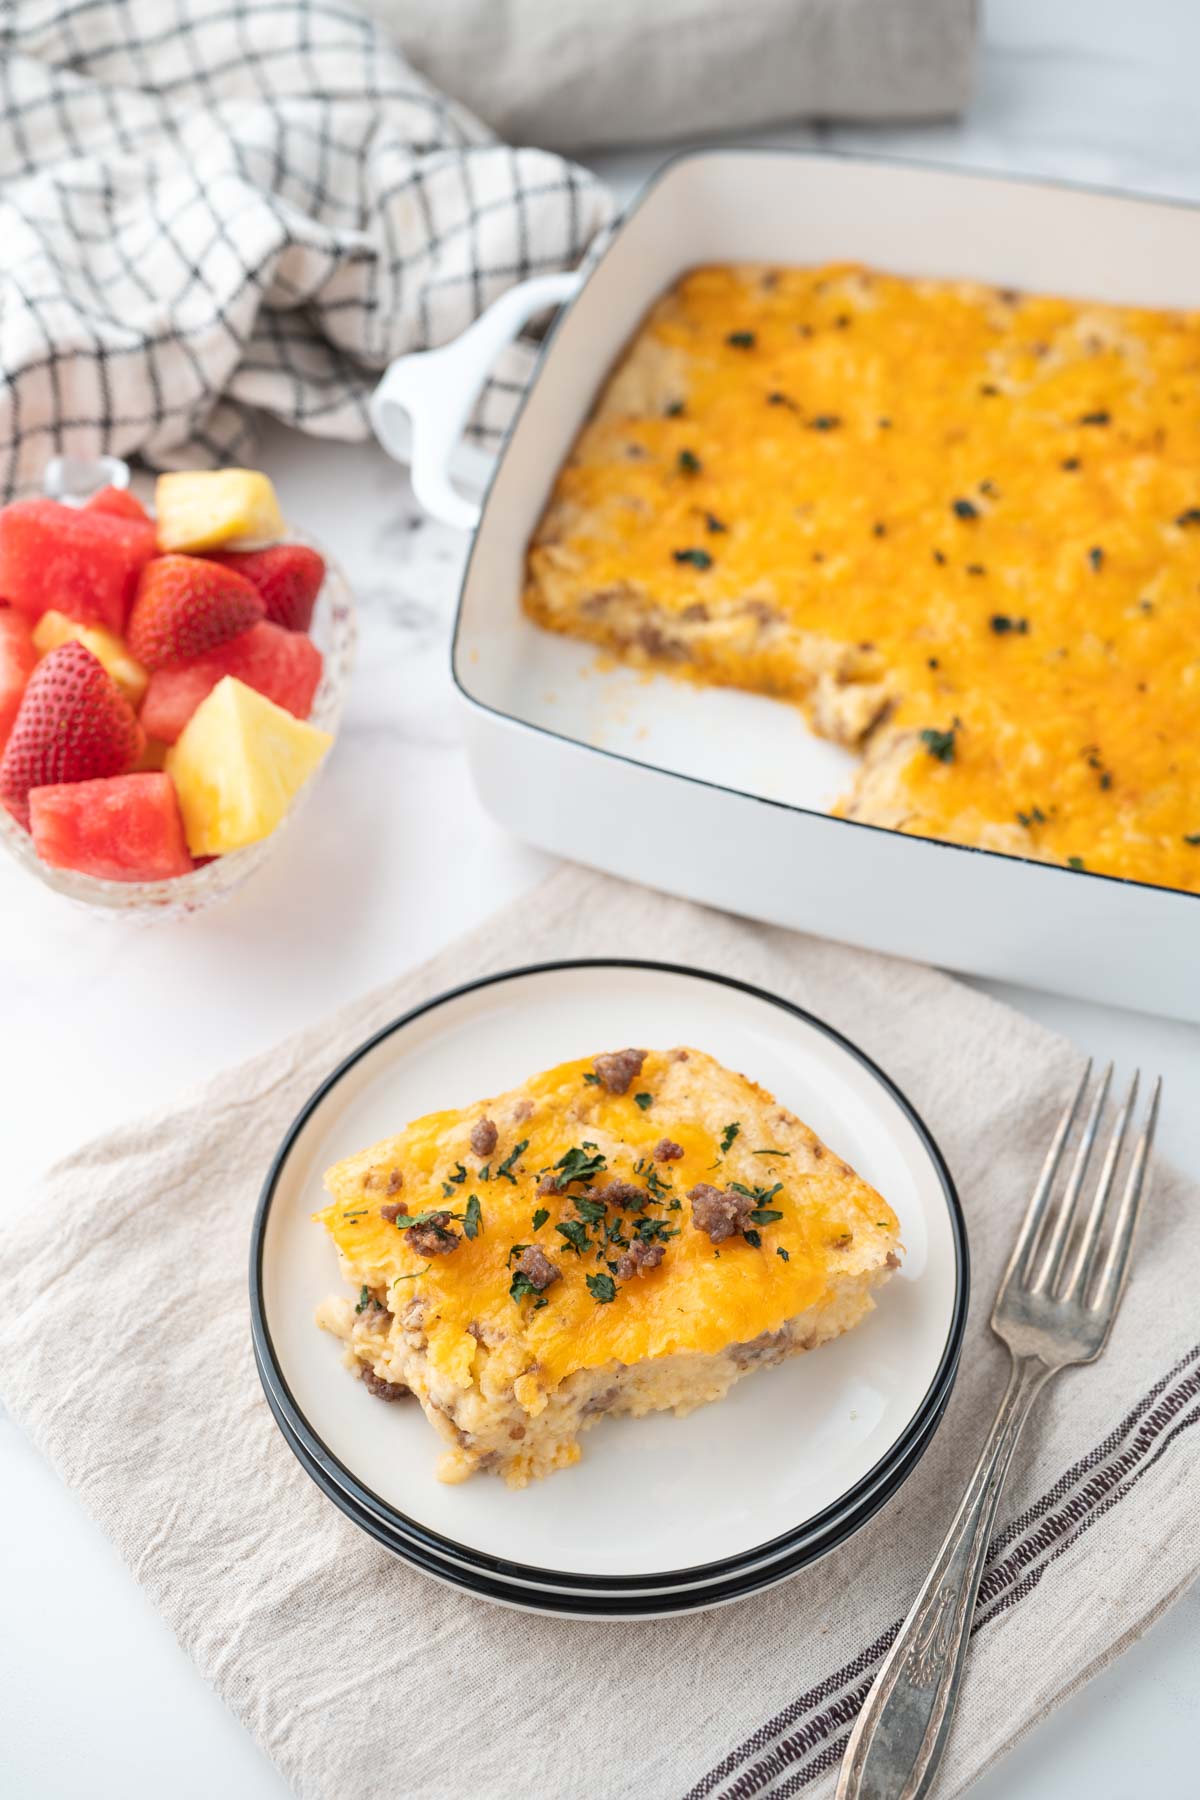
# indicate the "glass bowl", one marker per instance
pixel 334 633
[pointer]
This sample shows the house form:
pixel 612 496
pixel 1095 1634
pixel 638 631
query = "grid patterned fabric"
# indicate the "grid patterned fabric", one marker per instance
pixel 212 206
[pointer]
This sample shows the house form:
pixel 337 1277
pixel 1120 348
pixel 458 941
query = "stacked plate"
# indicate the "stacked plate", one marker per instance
pixel 661 1515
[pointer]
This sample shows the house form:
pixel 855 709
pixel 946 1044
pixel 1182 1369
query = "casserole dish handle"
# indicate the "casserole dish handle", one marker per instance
pixel 424 400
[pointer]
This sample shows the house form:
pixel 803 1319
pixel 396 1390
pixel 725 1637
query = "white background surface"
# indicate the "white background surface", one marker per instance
pixel 103 1020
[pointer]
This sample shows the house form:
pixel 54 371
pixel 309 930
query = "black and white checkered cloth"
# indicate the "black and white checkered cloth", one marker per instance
pixel 211 206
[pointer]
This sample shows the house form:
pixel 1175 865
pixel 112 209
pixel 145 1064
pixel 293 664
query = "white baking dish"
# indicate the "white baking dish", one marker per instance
pixel 722 796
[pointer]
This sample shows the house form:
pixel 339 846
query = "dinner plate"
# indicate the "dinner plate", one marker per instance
pixel 786 1465
pixel 578 1604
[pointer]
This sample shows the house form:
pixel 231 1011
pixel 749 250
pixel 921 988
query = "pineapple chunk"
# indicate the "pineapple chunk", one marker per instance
pixel 54 628
pixel 210 509
pixel 238 764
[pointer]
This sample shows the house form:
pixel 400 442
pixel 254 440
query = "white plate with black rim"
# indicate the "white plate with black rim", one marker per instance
pixel 740 1493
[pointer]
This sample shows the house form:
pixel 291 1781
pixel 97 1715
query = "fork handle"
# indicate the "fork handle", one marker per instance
pixel 901 1732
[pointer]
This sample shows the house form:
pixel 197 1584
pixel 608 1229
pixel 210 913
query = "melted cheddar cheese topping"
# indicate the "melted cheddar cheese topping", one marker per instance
pixel 702 1297
pixel 979 509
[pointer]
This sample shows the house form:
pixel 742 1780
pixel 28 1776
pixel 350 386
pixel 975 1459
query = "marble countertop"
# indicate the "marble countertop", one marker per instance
pixel 104 1020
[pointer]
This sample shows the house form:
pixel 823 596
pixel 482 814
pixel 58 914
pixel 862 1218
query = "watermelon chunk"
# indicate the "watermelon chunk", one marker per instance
pixel 283 665
pixel 120 502
pixel 121 828
pixel 85 564
pixel 18 658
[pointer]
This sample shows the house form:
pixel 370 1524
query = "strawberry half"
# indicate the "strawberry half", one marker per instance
pixel 185 606
pixel 73 724
pixel 288 576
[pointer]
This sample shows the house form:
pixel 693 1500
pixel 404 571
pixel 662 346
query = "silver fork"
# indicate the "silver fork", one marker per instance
pixel 1055 1307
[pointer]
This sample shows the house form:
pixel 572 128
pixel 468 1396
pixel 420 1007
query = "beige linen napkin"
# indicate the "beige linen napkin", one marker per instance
pixel 125 1353
pixel 577 73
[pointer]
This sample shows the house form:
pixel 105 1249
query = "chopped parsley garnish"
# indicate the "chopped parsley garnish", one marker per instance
pixel 1002 623
pixel 780 1251
pixel 824 422
pixel 363 1301
pixel 539 1218
pixel 712 523
pixel 778 399
pixel 976 569
pixel 699 559
pixel 654 1231
pixel 485 1173
pixel 1095 418
pixel 1190 516
pixel 590 1211
pixel 413 1276
pixel 643 1100
pixel 751 1237
pixel 592 1079
pixel 575 1233
pixel 1096 556
pixel 515 1250
pixel 602 1288
pixel 359 1213
pixel 1192 838
pixel 405 1221
pixel 1075 862
pixel 577 1165
pixel 770 1153
pixel 964 509
pixel 473 1217
pixel 505 1168
pixel 763 1214
pixel 459 1175
pixel 739 340
pixel 521 1286
pixel 727 1137
pixel 689 463
pixel 939 557
pixel 447 1191
pixel 1035 816
pixel 1069 463
pixel 940 744
pixel 675 410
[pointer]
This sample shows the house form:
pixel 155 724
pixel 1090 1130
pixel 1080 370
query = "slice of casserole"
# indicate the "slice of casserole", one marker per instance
pixel 624 1234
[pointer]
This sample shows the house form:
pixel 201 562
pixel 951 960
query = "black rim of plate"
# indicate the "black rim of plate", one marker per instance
pixel 484 1586
pixel 838 1518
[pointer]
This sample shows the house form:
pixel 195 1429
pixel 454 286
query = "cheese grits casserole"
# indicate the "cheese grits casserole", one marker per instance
pixel 624 1234
pixel 959 525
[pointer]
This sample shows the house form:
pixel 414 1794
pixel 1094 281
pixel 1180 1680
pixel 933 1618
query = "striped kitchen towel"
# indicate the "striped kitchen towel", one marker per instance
pixel 225 205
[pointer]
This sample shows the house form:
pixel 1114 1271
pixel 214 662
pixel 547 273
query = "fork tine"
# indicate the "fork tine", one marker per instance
pixel 1035 1212
pixel 1116 1263
pixel 1056 1243
pixel 1083 1266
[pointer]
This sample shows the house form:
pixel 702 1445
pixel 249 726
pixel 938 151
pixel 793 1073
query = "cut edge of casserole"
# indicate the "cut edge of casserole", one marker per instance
pixel 736 1239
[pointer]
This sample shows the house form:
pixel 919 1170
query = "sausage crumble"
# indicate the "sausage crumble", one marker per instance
pixel 484 1137
pixel 433 1238
pixel 638 1258
pixel 720 1215
pixel 617 1068
pixel 536 1265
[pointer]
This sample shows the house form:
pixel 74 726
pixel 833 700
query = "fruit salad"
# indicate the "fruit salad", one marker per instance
pixel 156 674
